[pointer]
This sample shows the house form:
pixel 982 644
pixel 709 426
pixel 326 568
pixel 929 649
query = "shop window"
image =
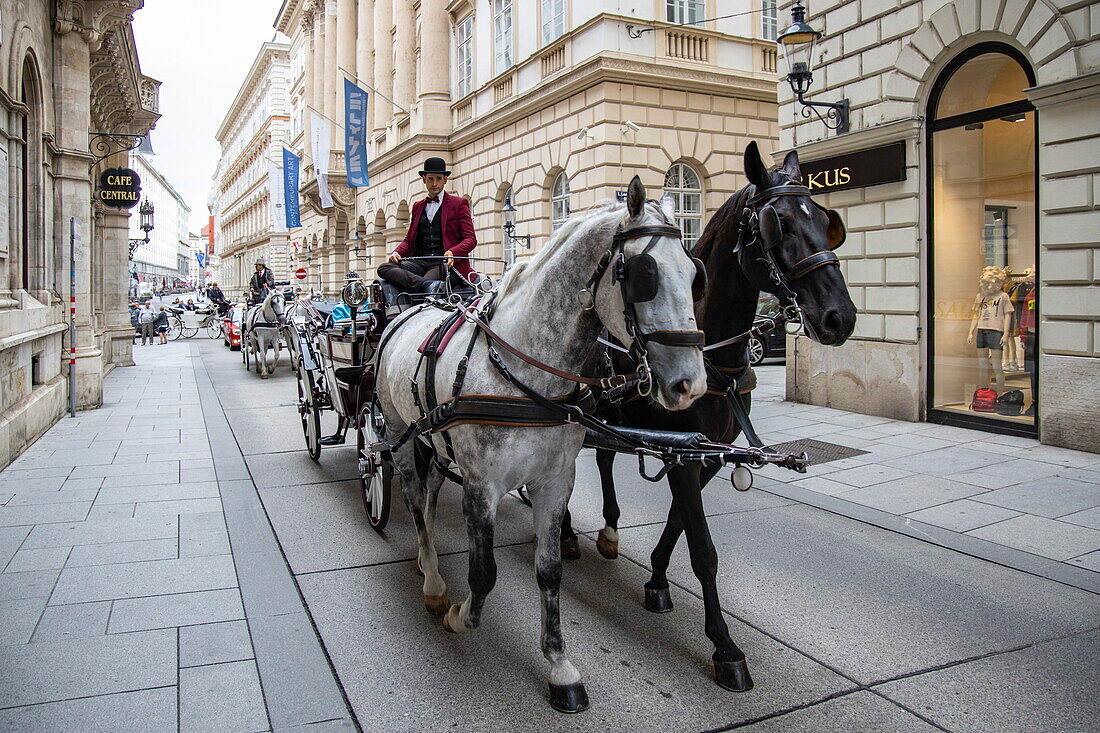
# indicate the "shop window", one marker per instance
pixel 982 213
pixel 559 200
pixel 683 187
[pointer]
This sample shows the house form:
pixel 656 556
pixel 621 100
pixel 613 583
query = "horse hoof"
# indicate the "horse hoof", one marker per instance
pixel 570 548
pixel 569 698
pixel 451 622
pixel 658 600
pixel 609 548
pixel 733 676
pixel 438 605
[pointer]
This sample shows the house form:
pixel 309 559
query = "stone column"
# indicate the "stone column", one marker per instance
pixel 73 199
pixel 435 68
pixel 332 76
pixel 317 101
pixel 346 27
pixel 112 283
pixel 364 54
pixel 310 64
pixel 383 62
pixel 404 43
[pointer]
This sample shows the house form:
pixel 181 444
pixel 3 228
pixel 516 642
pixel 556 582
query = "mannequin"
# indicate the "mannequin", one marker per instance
pixel 989 329
pixel 1031 347
pixel 1013 355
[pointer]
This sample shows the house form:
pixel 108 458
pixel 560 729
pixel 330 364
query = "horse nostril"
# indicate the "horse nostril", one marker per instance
pixel 681 388
pixel 832 320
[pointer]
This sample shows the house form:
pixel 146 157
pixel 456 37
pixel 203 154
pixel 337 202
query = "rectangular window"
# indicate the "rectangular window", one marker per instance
pixel 685 11
pixel 502 25
pixel 770 29
pixel 553 20
pixel 464 38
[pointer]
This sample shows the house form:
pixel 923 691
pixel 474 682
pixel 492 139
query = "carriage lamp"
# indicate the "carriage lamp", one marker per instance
pixel 146 212
pixel 510 226
pixel 796 45
pixel 355 293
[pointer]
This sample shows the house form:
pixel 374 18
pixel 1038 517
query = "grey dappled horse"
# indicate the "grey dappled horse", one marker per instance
pixel 538 311
pixel 260 331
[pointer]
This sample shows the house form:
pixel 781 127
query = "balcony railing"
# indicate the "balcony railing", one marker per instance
pixel 768 59
pixel 463 112
pixel 553 60
pixel 687 46
pixel 503 89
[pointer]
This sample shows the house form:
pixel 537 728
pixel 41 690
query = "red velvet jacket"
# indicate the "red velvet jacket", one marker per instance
pixel 457 226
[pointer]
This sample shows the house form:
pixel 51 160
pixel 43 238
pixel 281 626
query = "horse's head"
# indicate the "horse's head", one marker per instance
pixel 650 284
pixel 273 303
pixel 786 248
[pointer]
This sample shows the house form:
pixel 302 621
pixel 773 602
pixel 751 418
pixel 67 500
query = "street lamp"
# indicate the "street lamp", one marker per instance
pixel 355 250
pixel 146 213
pixel 796 45
pixel 510 226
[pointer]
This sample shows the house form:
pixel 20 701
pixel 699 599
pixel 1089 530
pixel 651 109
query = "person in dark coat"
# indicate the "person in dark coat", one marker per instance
pixel 441 228
pixel 161 325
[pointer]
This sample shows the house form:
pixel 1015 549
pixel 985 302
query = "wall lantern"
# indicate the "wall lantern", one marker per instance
pixel 146 212
pixel 356 249
pixel 510 227
pixel 796 45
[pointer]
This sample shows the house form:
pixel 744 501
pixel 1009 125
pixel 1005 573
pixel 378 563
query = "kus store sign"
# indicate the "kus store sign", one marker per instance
pixel 119 188
pixel 870 167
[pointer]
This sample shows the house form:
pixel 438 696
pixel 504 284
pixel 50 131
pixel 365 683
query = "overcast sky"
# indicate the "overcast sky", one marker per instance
pixel 201 51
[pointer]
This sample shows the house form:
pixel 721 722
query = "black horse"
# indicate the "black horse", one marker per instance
pixel 768 236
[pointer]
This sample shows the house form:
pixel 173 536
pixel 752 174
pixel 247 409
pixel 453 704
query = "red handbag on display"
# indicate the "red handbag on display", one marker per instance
pixel 984 400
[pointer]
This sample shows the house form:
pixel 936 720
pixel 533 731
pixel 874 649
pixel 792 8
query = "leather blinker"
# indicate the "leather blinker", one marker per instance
pixel 639 279
pixel 771 229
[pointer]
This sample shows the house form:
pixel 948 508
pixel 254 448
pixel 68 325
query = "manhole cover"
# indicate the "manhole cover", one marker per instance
pixel 818 451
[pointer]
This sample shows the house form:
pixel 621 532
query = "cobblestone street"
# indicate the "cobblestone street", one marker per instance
pixel 176 559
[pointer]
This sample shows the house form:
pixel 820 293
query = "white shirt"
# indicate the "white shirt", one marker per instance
pixel 431 209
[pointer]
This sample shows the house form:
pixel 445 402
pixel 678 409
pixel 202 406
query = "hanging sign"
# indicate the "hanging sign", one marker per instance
pixel 291 164
pixel 119 188
pixel 355 135
pixel 885 164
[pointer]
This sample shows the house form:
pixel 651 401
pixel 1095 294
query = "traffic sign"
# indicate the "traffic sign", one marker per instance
pixel 300 273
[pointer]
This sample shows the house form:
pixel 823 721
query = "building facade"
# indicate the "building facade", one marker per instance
pixel 163 259
pixel 252 136
pixel 552 105
pixel 67 70
pixel 975 266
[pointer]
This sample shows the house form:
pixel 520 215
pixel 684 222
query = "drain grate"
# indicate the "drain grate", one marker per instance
pixel 818 451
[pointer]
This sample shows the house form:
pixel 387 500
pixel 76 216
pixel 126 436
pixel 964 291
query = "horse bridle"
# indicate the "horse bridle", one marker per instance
pixel 637 278
pixel 762 228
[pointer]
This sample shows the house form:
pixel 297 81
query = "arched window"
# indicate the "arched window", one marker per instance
pixel 559 200
pixel 683 187
pixel 509 218
pixel 983 217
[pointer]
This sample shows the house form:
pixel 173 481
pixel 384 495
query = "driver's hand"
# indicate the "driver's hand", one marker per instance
pixel 394 257
pixel 449 258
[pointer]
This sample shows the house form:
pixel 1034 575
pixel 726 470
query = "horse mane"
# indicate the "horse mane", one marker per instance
pixel 521 271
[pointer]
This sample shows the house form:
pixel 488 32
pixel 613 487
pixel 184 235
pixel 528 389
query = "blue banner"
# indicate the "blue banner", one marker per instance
pixel 201 259
pixel 291 164
pixel 355 135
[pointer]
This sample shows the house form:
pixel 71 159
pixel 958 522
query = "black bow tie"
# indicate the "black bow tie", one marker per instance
pixel 433 199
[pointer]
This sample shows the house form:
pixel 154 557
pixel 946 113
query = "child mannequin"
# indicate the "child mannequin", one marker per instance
pixel 989 328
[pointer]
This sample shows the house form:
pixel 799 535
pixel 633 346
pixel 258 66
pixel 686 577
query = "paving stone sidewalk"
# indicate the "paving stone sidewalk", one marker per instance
pixel 1007 499
pixel 121 604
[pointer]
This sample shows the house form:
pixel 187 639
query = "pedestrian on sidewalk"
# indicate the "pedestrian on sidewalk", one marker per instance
pixel 147 319
pixel 162 325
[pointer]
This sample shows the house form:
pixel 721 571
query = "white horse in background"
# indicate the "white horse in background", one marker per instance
pixel 261 330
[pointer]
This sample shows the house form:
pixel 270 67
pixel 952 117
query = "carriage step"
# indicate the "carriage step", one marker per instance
pixel 332 440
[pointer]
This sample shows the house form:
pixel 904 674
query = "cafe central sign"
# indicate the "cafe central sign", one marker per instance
pixel 119 188
pixel 870 167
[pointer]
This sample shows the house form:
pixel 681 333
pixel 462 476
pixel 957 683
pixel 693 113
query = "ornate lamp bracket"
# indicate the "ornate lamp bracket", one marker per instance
pixel 103 145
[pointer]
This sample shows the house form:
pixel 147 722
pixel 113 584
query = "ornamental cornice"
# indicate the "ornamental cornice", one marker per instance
pixel 122 98
pixel 93 19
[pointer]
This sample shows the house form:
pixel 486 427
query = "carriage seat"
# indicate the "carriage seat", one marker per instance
pixel 394 297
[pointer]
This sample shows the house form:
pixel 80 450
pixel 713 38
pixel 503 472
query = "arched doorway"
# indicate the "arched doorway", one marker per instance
pixel 983 254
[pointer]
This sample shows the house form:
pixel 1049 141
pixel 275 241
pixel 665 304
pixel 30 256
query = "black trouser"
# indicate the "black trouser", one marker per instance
pixel 411 275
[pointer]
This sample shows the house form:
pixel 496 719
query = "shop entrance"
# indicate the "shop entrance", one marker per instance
pixel 983 223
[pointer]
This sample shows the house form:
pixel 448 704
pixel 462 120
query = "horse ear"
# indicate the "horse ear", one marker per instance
pixel 635 197
pixel 755 169
pixel 836 233
pixel 791 167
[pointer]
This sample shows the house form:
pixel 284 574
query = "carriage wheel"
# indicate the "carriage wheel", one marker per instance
pixel 188 332
pixel 175 328
pixel 213 329
pixel 311 416
pixel 375 485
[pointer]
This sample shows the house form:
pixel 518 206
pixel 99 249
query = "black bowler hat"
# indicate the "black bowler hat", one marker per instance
pixel 435 165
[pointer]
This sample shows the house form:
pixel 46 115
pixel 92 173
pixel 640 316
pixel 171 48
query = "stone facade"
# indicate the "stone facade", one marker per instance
pixel 512 103
pixel 886 57
pixel 67 68
pixel 252 138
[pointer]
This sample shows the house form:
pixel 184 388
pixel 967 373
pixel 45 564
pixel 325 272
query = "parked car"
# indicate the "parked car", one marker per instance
pixel 774 343
pixel 231 327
